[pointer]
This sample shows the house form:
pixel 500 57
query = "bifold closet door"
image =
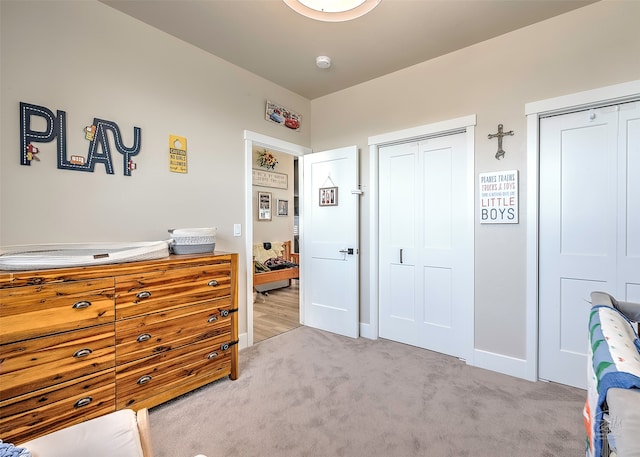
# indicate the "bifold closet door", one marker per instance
pixel 426 244
pixel 589 231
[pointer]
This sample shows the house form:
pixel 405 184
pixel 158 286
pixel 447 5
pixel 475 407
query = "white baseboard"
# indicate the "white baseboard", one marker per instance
pixel 502 364
pixel 242 338
pixel 367 331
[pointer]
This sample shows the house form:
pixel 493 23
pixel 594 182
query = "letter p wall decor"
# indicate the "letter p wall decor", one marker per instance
pixel 99 150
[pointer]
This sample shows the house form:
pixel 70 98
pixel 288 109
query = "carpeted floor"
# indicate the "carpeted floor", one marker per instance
pixel 312 393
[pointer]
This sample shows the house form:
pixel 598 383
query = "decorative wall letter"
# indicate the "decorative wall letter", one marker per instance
pixel 55 124
pixel 95 133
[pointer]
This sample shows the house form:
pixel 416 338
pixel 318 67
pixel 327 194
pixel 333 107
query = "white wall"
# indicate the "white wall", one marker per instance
pixel 591 47
pixel 90 60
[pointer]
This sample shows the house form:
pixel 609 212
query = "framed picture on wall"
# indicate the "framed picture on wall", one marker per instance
pixel 264 206
pixel 283 207
pixel 328 196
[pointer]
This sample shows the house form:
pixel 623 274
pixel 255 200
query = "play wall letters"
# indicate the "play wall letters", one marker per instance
pixel 56 129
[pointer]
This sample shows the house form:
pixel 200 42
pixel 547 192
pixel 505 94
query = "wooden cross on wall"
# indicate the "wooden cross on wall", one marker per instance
pixel 499 135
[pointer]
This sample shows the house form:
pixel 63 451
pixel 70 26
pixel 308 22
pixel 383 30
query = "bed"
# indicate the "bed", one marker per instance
pixel 273 263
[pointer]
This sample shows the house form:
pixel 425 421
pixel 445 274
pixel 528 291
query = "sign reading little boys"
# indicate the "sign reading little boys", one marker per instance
pixel 499 197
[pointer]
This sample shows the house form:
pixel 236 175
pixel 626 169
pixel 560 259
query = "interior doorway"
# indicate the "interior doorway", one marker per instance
pixel 254 141
pixel 276 253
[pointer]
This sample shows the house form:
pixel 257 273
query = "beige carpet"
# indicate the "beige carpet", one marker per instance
pixel 312 393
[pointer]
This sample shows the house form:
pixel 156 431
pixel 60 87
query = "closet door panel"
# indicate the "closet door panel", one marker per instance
pixel 438 198
pixel 629 217
pixel 399 196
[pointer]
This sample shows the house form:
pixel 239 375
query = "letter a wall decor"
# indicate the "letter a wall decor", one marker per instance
pixel 99 146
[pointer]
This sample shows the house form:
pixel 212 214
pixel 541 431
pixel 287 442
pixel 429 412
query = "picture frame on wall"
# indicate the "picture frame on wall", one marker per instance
pixel 328 196
pixel 283 207
pixel 264 206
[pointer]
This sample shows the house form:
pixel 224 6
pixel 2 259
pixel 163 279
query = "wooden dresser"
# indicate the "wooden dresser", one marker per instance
pixel 77 343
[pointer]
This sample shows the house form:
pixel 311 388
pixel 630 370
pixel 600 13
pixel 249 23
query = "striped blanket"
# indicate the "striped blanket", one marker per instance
pixel 9 450
pixel 614 361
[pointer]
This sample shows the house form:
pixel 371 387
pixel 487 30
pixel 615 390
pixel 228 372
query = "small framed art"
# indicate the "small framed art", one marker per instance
pixel 283 207
pixel 328 196
pixel 264 206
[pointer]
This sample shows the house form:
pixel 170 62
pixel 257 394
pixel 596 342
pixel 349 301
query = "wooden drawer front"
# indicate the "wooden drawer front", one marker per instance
pixel 32 415
pixel 32 311
pixel 159 332
pixel 40 362
pixel 167 289
pixel 150 377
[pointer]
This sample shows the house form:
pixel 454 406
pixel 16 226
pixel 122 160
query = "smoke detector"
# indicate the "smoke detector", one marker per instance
pixel 323 61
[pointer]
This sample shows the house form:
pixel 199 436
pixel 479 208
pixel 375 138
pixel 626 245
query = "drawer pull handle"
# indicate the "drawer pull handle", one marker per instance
pixel 212 319
pixel 143 294
pixel 82 353
pixel 143 380
pixel 225 346
pixel 81 304
pixel 213 355
pixel 212 283
pixel 144 337
pixel 83 402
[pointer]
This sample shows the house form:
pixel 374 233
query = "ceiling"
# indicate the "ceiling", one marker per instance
pixel 269 39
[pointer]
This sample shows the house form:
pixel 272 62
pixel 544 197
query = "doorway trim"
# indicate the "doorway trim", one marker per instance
pixel 464 124
pixel 614 94
pixel 252 139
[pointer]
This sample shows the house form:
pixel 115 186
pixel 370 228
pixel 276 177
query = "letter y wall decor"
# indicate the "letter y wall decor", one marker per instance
pixel 99 150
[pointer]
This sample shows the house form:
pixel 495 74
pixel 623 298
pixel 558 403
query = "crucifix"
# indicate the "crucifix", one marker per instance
pixel 499 135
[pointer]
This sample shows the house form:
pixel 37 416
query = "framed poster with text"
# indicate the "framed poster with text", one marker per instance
pixel 498 197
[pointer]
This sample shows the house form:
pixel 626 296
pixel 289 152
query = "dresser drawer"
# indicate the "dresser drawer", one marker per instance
pixel 32 311
pixel 137 381
pixel 159 332
pixel 40 362
pixel 34 414
pixel 171 288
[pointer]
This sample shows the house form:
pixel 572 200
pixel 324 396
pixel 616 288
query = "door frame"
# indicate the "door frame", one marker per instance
pixel 608 95
pixel 465 125
pixel 252 139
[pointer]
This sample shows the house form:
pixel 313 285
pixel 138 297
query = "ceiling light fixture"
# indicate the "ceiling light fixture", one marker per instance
pixel 332 10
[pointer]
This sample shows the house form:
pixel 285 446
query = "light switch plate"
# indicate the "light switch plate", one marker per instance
pixel 237 230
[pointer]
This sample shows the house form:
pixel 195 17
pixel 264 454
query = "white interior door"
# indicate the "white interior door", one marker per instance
pixel 589 229
pixel 629 215
pixel 426 244
pixel 329 234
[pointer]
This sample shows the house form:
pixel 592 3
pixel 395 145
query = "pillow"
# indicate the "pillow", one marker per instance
pixel 261 254
pixel 114 434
